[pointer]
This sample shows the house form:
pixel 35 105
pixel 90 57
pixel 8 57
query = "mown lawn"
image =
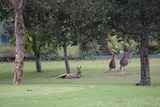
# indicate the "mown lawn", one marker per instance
pixel 97 88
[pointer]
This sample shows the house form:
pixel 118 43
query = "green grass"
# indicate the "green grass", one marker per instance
pixel 54 95
pixel 95 89
pixel 6 49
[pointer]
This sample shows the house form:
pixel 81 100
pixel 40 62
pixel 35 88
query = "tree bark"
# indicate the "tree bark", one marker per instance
pixel 19 30
pixel 36 55
pixel 145 70
pixel 66 58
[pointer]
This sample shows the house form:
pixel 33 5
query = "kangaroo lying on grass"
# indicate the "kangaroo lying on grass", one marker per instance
pixel 70 75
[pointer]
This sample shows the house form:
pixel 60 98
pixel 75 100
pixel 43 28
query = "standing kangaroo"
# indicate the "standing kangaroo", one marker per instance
pixel 70 75
pixel 112 63
pixel 126 59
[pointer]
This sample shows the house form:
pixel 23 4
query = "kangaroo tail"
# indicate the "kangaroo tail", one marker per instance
pixel 60 76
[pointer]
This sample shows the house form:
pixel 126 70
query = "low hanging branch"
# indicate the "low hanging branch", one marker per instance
pixel 19 30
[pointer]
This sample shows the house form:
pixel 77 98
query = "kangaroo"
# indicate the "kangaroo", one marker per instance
pixel 112 63
pixel 70 75
pixel 126 59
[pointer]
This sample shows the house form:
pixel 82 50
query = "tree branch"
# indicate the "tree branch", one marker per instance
pixel 18 4
pixel 14 4
pixel 21 4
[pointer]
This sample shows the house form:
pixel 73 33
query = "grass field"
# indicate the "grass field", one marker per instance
pixel 97 88
pixel 6 49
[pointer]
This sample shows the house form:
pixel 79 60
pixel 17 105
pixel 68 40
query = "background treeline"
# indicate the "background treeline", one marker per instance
pixel 84 24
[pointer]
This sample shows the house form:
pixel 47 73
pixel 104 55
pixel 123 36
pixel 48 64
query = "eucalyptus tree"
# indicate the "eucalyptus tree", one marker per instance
pixel 19 29
pixel 140 19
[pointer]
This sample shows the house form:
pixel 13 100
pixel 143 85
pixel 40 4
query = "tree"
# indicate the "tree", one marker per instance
pixel 62 31
pixel 48 24
pixel 36 15
pixel 140 19
pixel 92 27
pixel 19 29
pixel 62 26
pixel 72 25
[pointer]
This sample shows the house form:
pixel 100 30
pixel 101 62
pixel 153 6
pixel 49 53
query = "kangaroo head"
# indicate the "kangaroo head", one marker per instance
pixel 131 50
pixel 113 55
pixel 79 70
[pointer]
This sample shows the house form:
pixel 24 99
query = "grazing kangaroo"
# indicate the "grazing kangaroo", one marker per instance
pixel 70 75
pixel 112 63
pixel 126 59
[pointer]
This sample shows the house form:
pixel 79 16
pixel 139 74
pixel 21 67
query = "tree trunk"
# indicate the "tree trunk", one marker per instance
pixel 145 71
pixel 66 58
pixel 20 40
pixel 36 55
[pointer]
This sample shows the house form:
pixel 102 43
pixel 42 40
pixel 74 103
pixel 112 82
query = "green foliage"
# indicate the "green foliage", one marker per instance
pixel 6 27
pixel 5 10
pixel 28 42
pixel 88 22
pixel 6 18
pixel 153 47
pixel 135 17
pixel 119 45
